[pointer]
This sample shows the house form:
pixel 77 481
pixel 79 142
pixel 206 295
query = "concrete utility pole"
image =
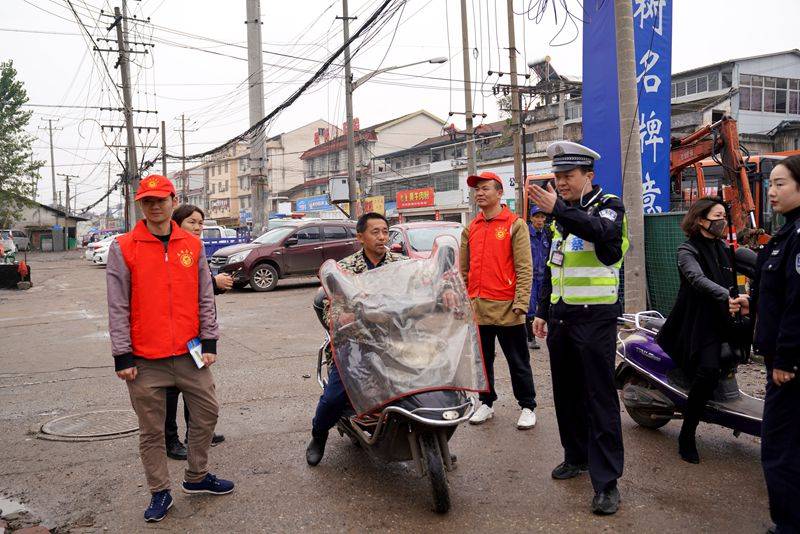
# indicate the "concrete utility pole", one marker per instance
pixel 108 188
pixel 163 149
pixel 52 160
pixel 185 181
pixel 133 161
pixel 635 274
pixel 352 189
pixel 515 111
pixel 471 169
pixel 66 180
pixel 255 70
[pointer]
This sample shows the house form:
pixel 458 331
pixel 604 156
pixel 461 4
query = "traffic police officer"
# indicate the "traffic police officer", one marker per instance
pixel 776 298
pixel 577 314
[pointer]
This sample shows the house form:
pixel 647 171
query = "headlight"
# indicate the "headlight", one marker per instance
pixel 238 257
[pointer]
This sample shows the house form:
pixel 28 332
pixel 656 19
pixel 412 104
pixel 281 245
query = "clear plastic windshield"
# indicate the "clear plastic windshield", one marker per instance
pixel 403 328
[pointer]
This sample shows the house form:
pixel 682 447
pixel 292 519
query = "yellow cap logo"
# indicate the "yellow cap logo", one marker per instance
pixel 500 234
pixel 186 258
pixel 153 182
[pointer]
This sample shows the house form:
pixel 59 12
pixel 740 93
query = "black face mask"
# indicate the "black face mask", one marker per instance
pixel 717 228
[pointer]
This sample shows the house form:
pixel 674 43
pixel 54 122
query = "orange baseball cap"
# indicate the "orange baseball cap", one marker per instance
pixel 473 180
pixel 155 185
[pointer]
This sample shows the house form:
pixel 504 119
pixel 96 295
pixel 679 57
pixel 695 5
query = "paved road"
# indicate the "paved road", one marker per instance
pixel 55 360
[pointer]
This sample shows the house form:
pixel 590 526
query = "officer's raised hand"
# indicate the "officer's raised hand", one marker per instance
pixel 544 198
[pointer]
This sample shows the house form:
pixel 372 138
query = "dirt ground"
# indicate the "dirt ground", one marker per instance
pixel 55 360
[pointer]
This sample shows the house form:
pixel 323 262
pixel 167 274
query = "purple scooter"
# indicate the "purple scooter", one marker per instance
pixel 653 390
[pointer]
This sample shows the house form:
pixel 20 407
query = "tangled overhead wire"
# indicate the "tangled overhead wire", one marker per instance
pixel 367 31
pixel 570 18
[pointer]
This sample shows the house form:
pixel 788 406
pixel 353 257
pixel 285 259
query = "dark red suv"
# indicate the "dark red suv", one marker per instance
pixel 296 249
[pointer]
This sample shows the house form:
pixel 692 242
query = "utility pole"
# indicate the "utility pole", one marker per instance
pixel 471 166
pixel 348 102
pixel 255 71
pixel 635 274
pixel 163 149
pixel 108 198
pixel 185 181
pixel 125 69
pixel 515 111
pixel 52 160
pixel 66 179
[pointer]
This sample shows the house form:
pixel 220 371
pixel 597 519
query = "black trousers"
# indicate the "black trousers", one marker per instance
pixel 780 453
pixel 586 401
pixel 171 419
pixel 514 342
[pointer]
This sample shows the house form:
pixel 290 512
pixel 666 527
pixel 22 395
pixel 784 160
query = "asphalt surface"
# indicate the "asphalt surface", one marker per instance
pixel 55 360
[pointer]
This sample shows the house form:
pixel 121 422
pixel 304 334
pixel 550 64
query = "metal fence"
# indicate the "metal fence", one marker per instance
pixel 662 235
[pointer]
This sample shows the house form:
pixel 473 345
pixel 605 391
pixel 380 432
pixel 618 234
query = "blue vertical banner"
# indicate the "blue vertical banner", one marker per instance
pixel 652 32
pixel 600 98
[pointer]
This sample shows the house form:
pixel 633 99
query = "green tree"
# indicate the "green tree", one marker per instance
pixel 17 167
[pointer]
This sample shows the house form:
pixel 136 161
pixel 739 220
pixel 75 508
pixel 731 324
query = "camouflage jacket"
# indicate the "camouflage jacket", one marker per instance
pixel 356 264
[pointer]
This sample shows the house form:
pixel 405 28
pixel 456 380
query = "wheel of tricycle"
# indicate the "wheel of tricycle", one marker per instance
pixel 641 417
pixel 264 277
pixel 437 475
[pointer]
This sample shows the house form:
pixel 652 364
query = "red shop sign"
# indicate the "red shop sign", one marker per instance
pixel 415 198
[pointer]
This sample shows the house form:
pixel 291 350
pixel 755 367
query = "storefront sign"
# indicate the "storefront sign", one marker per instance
pixel 317 203
pixel 374 204
pixel 415 198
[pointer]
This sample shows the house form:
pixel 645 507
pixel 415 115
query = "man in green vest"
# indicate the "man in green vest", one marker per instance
pixel 577 313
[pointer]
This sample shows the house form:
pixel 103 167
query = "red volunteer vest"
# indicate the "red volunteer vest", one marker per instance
pixel 491 258
pixel 164 308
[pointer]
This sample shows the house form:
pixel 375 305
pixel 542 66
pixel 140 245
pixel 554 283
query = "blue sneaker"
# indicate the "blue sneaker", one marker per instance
pixel 210 484
pixel 160 503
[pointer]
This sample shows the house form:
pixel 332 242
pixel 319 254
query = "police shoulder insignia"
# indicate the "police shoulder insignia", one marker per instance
pixel 609 214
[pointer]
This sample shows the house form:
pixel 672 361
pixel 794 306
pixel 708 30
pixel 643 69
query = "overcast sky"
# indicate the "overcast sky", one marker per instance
pixel 53 58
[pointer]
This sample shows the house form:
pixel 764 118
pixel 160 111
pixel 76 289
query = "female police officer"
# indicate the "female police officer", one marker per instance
pixel 580 305
pixel 776 299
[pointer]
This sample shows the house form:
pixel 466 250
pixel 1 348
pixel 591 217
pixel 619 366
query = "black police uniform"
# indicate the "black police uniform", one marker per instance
pixel 777 301
pixel 582 344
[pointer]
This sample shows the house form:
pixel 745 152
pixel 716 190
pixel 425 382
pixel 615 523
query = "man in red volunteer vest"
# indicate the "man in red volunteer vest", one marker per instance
pixel 160 311
pixel 496 266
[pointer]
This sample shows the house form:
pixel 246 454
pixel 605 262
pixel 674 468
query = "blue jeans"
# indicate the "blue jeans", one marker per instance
pixel 332 403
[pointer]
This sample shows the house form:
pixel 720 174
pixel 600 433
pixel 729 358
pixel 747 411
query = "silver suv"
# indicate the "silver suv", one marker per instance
pixel 20 238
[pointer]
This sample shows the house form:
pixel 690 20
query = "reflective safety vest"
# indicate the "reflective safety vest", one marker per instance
pixel 582 278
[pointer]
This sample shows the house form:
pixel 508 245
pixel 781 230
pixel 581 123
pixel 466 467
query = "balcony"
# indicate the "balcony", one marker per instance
pixel 411 171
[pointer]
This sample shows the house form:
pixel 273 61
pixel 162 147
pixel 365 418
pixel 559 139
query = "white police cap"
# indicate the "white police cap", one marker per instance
pixel 567 155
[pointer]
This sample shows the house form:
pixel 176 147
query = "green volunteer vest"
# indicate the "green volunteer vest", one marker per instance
pixel 584 279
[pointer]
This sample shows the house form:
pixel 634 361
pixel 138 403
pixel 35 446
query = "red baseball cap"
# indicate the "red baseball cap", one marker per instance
pixel 155 186
pixel 473 180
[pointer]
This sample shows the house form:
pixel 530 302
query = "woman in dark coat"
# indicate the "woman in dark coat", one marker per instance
pixel 698 328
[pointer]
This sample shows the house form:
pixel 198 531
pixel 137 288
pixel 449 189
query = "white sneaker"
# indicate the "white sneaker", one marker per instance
pixel 482 414
pixel 527 419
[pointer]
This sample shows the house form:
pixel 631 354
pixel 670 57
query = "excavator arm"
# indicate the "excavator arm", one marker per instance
pixel 720 141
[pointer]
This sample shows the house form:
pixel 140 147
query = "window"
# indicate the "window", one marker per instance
pixel 756 81
pixel 780 101
pixel 744 98
pixel 769 100
pixel 680 89
pixel 334 232
pixel 727 77
pixel 755 99
pixel 702 84
pixel 307 235
pixel 351 231
pixel 691 86
pixel 770 81
pixel 713 82
pixel 794 102
pixel 226 166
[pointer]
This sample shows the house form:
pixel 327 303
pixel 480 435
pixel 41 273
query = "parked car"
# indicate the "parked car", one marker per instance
pixel 415 240
pixel 20 238
pixel 100 256
pixel 291 250
pixel 91 248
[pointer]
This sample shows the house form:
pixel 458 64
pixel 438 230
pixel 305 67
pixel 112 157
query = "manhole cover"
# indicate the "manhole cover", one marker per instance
pixel 91 426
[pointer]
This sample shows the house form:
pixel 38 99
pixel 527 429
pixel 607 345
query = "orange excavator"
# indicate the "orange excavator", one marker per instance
pixel 719 141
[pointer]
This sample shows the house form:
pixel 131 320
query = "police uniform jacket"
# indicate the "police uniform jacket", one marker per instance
pixel 600 223
pixel 777 297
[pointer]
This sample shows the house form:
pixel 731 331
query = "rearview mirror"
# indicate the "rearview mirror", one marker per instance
pixel 290 242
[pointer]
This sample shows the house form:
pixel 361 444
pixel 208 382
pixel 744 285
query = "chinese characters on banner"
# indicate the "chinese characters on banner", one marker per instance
pixel 415 198
pixel 652 27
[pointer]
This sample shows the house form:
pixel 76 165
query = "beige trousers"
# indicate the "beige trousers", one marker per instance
pixel 149 400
